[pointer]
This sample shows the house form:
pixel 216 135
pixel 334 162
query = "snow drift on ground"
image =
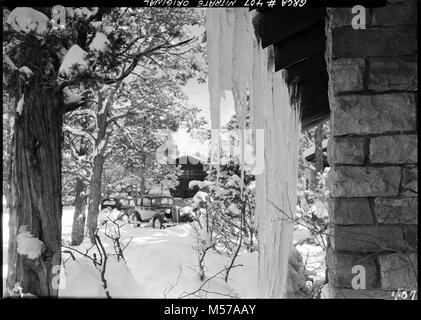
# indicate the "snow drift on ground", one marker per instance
pixel 159 263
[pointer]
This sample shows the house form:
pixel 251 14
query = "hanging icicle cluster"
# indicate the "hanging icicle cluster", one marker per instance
pixel 229 58
pixel 238 63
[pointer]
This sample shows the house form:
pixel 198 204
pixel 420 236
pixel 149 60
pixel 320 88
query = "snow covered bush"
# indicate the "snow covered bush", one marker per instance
pixel 312 211
pixel 224 215
pixel 111 269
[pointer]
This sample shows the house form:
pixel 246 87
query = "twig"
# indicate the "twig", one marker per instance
pixel 207 280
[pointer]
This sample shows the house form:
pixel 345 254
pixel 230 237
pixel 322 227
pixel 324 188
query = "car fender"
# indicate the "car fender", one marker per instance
pixel 139 216
pixel 159 216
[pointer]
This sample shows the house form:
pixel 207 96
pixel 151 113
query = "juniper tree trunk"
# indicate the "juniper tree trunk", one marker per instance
pixel 95 187
pixel 79 217
pixel 35 191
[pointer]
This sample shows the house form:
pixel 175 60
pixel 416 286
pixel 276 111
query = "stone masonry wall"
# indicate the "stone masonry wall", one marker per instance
pixel 373 150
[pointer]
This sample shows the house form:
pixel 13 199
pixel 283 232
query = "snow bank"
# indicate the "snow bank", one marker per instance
pixel 83 279
pixel 28 244
pixel 28 20
pixel 120 280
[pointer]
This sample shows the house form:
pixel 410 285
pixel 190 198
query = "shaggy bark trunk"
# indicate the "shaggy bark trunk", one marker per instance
pixel 94 197
pixel 101 141
pixel 143 182
pixel 7 138
pixel 142 186
pixel 35 192
pixel 79 216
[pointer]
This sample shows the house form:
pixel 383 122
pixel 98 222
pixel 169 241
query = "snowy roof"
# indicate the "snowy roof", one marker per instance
pixel 312 150
pixel 195 158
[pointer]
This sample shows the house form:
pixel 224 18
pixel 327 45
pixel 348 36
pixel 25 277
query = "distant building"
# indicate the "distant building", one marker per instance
pixel 192 168
pixel 310 154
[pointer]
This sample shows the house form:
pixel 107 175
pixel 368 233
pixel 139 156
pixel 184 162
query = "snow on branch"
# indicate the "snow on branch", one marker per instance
pixel 27 244
pixel 121 115
pixel 19 108
pixel 26 71
pixel 79 133
pixel 25 19
pixel 100 42
pixel 74 58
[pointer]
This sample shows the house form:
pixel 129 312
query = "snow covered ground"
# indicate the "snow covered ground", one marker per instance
pixel 159 263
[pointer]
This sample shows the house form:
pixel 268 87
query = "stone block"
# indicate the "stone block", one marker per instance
pixel 410 180
pixel 411 237
pixel 340 268
pixel 394 149
pixel 364 181
pixel 331 292
pixel 392 73
pixel 346 211
pixel 398 271
pixel 347 75
pixel 395 14
pixel 373 114
pixel 341 17
pixel 368 238
pixel 401 211
pixel 350 43
pixel 349 150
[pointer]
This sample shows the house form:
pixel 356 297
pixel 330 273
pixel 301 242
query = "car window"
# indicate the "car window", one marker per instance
pixel 139 202
pixel 125 202
pixel 162 201
pixel 108 203
pixel 146 202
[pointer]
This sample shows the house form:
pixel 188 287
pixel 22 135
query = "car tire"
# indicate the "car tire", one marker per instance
pixel 156 223
pixel 136 220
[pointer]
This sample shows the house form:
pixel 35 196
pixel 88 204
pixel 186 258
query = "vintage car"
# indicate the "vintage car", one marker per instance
pixel 158 209
pixel 126 206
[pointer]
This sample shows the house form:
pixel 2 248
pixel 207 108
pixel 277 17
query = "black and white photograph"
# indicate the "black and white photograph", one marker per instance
pixel 227 149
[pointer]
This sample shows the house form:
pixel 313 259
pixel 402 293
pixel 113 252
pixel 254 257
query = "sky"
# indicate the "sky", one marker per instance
pixel 198 96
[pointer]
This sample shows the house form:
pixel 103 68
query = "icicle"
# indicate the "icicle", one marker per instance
pixel 229 58
pixel 270 109
pixel 213 30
